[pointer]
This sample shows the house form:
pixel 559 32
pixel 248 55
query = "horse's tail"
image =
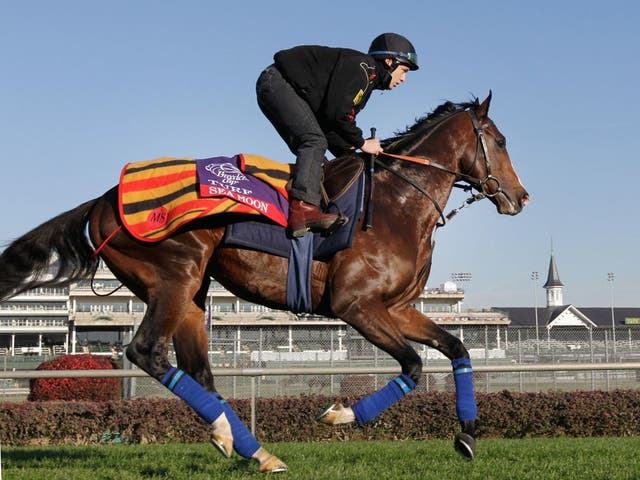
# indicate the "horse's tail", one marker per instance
pixel 51 255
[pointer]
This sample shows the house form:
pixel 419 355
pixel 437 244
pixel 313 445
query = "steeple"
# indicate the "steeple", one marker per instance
pixel 553 279
pixel 553 286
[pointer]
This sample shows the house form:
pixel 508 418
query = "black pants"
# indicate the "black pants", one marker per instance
pixel 296 123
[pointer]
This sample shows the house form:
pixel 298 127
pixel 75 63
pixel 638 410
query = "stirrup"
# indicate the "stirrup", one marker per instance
pixel 340 221
pixel 325 232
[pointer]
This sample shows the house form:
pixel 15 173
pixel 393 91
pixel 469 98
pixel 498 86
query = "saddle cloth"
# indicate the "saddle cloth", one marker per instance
pixel 156 197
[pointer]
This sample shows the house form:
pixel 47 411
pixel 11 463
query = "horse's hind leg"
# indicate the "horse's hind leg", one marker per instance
pixel 167 277
pixel 190 341
pixel 170 278
pixel 149 349
pixel 191 345
pixel 422 329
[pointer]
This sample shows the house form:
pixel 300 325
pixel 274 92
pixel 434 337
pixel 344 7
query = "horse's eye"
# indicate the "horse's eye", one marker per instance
pixel 501 142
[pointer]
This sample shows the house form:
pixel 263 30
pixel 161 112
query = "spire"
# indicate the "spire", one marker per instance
pixel 553 286
pixel 553 279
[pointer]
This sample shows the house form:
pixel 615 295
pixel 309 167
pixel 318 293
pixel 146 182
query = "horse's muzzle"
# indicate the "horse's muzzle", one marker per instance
pixel 507 206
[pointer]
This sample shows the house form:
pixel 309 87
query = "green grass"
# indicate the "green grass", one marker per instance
pixel 539 459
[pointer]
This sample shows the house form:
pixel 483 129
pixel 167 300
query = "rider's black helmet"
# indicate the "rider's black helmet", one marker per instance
pixel 392 45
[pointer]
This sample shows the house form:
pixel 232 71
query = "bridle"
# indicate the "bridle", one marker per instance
pixel 471 182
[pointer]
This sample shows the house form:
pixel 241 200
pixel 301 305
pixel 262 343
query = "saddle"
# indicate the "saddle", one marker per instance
pixel 339 176
pixel 343 189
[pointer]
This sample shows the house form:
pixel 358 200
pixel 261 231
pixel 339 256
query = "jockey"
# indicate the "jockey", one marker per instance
pixel 311 95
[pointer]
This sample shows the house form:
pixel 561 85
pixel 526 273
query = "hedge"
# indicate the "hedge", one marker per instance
pixel 418 416
pixel 89 389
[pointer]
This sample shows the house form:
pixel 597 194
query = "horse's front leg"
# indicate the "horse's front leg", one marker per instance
pixel 373 321
pixel 191 344
pixel 422 329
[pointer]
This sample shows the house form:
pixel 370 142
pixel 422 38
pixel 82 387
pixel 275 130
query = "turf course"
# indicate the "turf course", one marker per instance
pixel 548 459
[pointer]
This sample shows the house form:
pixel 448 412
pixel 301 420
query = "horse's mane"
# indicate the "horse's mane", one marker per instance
pixel 424 124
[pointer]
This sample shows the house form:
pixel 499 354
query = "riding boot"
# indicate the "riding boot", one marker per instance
pixel 304 216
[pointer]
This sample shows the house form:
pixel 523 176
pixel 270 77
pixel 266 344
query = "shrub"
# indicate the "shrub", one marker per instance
pixel 418 416
pixel 87 389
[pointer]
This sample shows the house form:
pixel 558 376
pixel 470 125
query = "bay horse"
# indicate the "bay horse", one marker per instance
pixel 370 286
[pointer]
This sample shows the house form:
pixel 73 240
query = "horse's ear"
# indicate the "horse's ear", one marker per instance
pixel 483 110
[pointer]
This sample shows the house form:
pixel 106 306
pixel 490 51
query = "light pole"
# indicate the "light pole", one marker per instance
pixel 461 277
pixel 534 280
pixel 611 278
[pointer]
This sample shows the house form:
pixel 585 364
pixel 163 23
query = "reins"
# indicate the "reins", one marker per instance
pixel 429 163
pixel 424 161
pixel 417 187
pixel 473 182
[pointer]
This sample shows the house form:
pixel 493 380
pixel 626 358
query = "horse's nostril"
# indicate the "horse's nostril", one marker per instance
pixel 524 201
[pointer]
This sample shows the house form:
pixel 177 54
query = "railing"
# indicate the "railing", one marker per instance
pixel 40 308
pixel 255 373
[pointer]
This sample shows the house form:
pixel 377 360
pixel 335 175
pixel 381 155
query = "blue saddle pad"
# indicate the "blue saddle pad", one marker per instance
pixel 272 238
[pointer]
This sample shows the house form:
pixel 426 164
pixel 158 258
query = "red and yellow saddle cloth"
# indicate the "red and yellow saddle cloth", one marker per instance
pixel 156 197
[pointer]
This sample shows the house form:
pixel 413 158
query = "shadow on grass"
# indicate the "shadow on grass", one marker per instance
pixel 54 455
pixel 154 462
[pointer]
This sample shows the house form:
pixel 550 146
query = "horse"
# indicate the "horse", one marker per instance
pixel 370 286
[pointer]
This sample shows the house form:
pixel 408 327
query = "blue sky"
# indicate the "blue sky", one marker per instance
pixel 89 86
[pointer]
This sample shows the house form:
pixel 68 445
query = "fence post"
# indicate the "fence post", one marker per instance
pixel 332 353
pixel 253 405
pixel 520 360
pixel 593 360
pixel 606 357
pixel 486 356
pixel 236 349
pixel 375 364
pixel 260 348
pixel 129 384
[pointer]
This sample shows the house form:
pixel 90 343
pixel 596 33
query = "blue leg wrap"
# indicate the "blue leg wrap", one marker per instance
pixel 371 406
pixel 465 398
pixel 244 443
pixel 185 387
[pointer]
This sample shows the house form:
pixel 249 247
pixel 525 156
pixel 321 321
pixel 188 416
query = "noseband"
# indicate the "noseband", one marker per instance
pixel 481 185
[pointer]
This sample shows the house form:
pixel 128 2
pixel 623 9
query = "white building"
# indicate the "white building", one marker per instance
pixel 99 314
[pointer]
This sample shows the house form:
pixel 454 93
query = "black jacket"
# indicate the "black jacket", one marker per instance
pixel 336 83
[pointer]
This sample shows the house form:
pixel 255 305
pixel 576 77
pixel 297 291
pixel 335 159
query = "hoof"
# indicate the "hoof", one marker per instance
pixel 336 414
pixel 465 445
pixel 330 415
pixel 223 443
pixel 273 465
